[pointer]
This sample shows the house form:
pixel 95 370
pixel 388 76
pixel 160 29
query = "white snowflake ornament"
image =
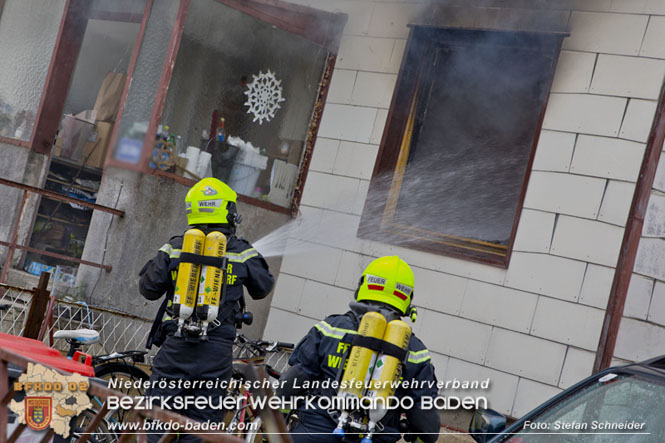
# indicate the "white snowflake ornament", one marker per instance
pixel 264 95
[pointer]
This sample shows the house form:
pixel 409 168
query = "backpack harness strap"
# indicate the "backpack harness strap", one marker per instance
pixel 218 262
pixel 380 346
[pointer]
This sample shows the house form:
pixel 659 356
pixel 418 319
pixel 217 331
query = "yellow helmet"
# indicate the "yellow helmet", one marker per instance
pixel 208 201
pixel 388 280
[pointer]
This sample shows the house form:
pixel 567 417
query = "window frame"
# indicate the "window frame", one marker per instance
pixel 394 148
pixel 61 69
pixel 292 18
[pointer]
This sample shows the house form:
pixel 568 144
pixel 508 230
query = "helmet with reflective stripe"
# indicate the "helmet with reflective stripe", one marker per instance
pixel 388 280
pixel 209 202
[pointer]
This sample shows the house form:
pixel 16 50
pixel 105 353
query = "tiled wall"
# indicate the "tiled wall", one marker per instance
pixel 533 328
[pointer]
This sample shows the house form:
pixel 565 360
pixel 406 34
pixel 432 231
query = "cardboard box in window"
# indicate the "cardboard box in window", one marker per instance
pixel 108 98
pixel 76 131
pixel 94 152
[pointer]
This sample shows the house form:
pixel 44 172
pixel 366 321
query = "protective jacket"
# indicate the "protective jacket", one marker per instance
pixel 179 359
pixel 246 268
pixel 319 355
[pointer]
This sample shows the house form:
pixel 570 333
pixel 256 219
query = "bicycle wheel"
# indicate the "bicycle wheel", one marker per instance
pixel 123 377
pixel 101 434
pixel 245 422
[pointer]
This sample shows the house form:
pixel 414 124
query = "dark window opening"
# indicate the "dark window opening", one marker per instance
pixel 456 153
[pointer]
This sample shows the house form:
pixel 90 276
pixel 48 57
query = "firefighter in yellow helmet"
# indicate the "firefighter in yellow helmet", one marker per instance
pixel 210 205
pixel 386 286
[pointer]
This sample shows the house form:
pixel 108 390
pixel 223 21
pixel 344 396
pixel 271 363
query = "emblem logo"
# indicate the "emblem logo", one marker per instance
pixel 38 412
pixel 209 190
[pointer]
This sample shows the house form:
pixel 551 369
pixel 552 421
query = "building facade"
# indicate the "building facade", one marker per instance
pixel 525 189
pixel 533 327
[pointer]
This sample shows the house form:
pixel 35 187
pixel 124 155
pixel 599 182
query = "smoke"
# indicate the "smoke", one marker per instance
pixel 477 108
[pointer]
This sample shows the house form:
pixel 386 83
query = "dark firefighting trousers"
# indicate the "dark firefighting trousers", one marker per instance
pixel 181 360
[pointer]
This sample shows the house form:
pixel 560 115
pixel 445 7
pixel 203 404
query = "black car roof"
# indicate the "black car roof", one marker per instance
pixel 654 367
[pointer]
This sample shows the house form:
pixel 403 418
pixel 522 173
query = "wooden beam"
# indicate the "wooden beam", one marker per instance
pixel 40 299
pixel 631 239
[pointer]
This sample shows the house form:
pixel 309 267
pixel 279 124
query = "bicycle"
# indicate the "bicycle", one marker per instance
pixel 117 369
pixel 106 366
pixel 245 421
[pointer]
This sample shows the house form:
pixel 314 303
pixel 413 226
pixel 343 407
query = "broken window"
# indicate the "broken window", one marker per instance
pixel 456 152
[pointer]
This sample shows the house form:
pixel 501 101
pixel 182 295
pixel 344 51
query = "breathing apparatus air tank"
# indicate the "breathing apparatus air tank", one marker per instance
pixel 386 374
pixel 184 296
pixel 211 282
pixel 359 364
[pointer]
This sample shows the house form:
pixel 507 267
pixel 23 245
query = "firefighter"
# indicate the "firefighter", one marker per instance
pixel 386 287
pixel 210 206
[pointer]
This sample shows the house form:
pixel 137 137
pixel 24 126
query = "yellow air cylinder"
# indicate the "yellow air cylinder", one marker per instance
pixel 210 286
pixel 387 371
pixel 359 364
pixel 361 360
pixel 184 297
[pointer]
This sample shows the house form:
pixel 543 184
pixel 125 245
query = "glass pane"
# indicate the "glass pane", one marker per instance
pixel 90 109
pixel 107 48
pixel 263 81
pixel 604 411
pixel 125 7
pixel 28 31
pixel 145 81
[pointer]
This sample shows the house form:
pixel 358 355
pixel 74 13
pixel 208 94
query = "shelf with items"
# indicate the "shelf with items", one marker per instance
pixel 60 220
pixel 63 182
pixel 62 227
pixel 73 164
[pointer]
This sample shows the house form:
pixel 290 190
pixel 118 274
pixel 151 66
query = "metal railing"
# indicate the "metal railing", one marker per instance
pixel 13 243
pixel 118 331
pixel 15 303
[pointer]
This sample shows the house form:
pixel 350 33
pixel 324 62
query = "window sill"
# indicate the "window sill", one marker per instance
pixel 371 231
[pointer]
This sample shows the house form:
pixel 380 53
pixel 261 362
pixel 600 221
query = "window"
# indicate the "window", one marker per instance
pixel 28 31
pixel 262 81
pixel 102 39
pixel 456 152
pixel 259 68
